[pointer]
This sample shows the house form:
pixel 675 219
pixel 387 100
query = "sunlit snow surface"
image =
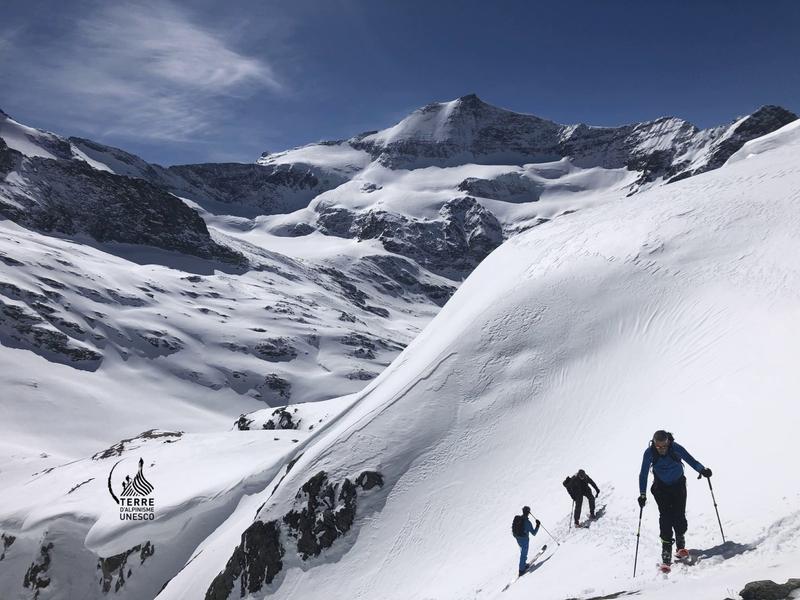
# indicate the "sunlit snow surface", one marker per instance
pixel 565 349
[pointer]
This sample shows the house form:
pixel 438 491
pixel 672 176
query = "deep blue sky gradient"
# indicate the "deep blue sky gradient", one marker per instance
pixel 350 66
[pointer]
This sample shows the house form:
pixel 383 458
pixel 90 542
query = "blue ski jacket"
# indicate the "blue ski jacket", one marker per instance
pixel 529 529
pixel 666 469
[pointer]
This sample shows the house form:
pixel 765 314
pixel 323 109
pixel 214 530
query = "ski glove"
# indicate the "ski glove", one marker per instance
pixel 642 500
pixel 706 472
pixel 597 495
pixel 537 523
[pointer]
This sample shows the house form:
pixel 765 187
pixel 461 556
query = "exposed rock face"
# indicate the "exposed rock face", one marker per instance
pixel 451 246
pixel 72 198
pixel 251 189
pixel 509 187
pixel 131 443
pixel 8 158
pixel 114 569
pixel 281 419
pixel 279 388
pixel 241 189
pixel 369 479
pixel 769 590
pixel 323 513
pixel 7 541
pixel 468 130
pixel 765 120
pixel 276 350
pixel 29 320
pixel 36 577
pixel 396 276
pixel 254 563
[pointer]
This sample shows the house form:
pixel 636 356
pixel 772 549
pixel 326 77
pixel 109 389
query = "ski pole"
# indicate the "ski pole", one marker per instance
pixel 571 512
pixel 714 500
pixel 548 533
pixel 638 530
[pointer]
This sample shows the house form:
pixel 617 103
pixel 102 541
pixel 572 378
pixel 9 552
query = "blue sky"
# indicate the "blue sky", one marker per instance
pixel 179 82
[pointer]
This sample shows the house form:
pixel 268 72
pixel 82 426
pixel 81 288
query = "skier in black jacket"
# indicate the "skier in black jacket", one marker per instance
pixel 578 487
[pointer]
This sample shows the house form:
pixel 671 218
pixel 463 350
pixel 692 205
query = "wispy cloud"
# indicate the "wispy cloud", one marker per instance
pixel 145 70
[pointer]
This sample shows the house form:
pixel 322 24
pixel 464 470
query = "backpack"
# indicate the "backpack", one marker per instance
pixel 670 451
pixel 518 526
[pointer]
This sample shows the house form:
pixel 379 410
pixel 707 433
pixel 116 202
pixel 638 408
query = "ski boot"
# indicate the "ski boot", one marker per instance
pixel 680 544
pixel 666 556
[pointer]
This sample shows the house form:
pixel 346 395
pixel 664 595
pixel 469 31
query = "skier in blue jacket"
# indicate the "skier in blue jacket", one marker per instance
pixel 669 489
pixel 522 539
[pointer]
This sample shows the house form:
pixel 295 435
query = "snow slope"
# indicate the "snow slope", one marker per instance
pixel 565 349
pixel 673 309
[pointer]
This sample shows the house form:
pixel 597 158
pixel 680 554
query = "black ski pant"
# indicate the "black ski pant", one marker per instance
pixel 671 500
pixel 579 503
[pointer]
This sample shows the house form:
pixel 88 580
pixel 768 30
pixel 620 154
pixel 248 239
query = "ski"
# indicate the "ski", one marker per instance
pixel 533 559
pixel 588 522
pixel 528 565
pixel 687 558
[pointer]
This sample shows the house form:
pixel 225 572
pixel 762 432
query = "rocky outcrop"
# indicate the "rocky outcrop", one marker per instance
pixel 134 442
pixel 9 159
pixel 29 321
pixel 508 187
pixel 769 590
pixel 72 198
pixel 36 577
pixel 276 350
pixel 280 418
pixel 250 189
pixel 254 563
pixel 323 513
pixel 276 387
pixel 451 246
pixel 327 513
pixel 115 569
pixel 765 120
pixel 466 130
pixel 7 541
pixel 399 277
pixel 345 287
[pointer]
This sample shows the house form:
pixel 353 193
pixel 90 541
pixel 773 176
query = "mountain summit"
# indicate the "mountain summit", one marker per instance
pixel 468 130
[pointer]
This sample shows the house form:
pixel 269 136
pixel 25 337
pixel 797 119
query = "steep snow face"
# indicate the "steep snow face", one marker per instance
pixel 566 349
pixel 783 137
pixel 432 123
pixel 335 156
pixel 30 141
pixel 462 131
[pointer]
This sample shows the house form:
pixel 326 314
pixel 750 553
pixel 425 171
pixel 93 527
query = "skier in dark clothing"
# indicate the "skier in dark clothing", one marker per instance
pixel 521 527
pixel 669 490
pixel 578 487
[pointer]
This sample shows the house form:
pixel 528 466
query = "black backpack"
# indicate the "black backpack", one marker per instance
pixel 518 526
pixel 670 451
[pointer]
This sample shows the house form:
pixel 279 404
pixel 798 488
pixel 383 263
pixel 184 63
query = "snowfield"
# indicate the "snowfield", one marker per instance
pixel 678 308
pixel 566 349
